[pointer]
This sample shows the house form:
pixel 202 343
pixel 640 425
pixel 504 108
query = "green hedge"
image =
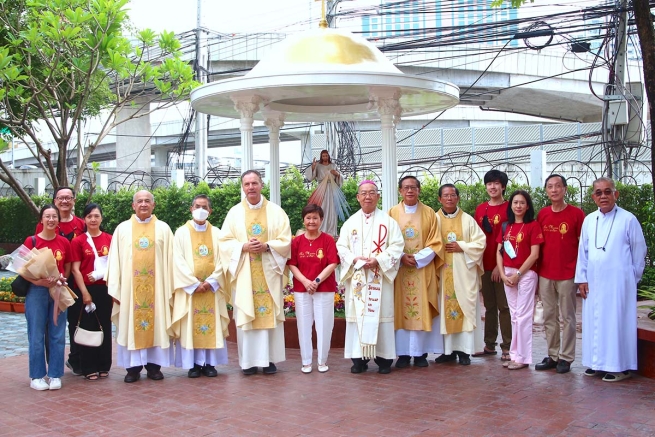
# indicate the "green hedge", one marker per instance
pixel 172 205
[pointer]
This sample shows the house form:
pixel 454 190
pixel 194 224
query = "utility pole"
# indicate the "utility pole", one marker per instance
pixel 615 108
pixel 201 76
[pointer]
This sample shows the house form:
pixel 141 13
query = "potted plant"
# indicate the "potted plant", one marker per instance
pixel 648 293
pixel 9 302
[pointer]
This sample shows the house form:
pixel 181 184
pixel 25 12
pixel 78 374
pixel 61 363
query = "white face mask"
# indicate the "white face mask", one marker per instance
pixel 200 214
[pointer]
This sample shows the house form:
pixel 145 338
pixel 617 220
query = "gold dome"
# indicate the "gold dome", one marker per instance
pixel 324 49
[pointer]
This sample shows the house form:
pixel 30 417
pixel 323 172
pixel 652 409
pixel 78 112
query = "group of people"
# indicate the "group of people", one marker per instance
pixel 412 278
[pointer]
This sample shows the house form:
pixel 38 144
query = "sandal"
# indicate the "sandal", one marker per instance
pixel 505 357
pixel 484 352
pixel 91 377
pixel 103 374
pixel 516 366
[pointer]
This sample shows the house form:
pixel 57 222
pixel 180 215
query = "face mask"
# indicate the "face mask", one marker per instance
pixel 200 214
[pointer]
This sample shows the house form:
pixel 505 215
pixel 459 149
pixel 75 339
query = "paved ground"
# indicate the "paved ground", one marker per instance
pixel 447 399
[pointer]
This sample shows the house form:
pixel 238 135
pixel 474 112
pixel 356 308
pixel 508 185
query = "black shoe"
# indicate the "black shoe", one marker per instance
pixel 563 366
pixel 250 371
pixel 75 372
pixel 546 363
pixel 132 377
pixel 421 361
pixel 403 361
pixel 359 365
pixel 155 375
pixel 464 359
pixel 271 369
pixel 443 358
pixel 384 370
pixel 209 371
pixel 194 372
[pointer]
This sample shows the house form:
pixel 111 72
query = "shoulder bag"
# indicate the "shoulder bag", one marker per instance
pixel 88 338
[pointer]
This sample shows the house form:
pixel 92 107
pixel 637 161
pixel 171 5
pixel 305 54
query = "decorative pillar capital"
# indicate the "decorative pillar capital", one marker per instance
pixel 274 120
pixel 246 105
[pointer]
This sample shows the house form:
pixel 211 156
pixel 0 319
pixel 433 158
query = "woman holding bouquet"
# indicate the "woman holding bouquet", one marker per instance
pixel 313 260
pixel 89 254
pixel 40 307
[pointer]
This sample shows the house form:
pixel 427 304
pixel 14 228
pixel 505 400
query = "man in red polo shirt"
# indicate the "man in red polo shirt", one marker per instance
pixel 561 224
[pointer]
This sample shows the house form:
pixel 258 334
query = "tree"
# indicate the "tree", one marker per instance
pixel 644 23
pixel 66 61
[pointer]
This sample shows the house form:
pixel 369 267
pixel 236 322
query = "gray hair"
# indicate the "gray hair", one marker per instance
pixel 143 191
pixel 605 179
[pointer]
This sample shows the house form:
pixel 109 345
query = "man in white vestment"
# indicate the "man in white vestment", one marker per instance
pixel 200 318
pixel 140 280
pixel 611 260
pixel 254 245
pixel 370 246
pixel 417 285
pixel 460 277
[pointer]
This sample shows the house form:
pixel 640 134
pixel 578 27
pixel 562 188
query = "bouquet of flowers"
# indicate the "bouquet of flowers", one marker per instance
pixel 34 264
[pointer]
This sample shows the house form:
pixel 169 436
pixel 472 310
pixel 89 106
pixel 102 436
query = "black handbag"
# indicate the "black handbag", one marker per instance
pixel 20 285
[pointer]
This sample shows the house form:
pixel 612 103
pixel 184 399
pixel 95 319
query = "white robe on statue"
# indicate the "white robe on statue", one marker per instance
pixel 467 278
pixel 609 313
pixel 185 286
pixel 361 235
pixel 257 347
pixel 119 284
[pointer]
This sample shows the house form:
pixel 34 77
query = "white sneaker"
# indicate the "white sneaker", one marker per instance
pixel 39 384
pixel 323 368
pixel 307 368
pixel 55 383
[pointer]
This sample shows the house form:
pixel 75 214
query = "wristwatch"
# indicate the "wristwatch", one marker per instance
pixel 518 273
pixel 317 280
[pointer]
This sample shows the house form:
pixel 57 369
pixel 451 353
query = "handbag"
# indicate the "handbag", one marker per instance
pixel 20 285
pixel 88 338
pixel 538 318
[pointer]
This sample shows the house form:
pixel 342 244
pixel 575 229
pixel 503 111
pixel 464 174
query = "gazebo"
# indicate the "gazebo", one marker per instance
pixel 324 75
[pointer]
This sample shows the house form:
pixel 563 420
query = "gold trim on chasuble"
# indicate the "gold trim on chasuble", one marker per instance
pixel 256 227
pixel 203 305
pixel 451 231
pixel 411 292
pixel 143 282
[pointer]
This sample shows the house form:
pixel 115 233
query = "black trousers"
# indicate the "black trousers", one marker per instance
pixel 97 359
pixel 72 315
pixel 150 367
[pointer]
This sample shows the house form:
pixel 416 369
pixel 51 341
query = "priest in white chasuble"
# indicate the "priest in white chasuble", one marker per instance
pixel 417 284
pixel 254 245
pixel 370 246
pixel 460 277
pixel 611 260
pixel 200 318
pixel 140 280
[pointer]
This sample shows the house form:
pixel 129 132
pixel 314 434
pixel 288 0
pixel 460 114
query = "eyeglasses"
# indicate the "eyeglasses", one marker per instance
pixel 410 188
pixel 368 193
pixel 608 192
pixel 64 198
pixel 449 196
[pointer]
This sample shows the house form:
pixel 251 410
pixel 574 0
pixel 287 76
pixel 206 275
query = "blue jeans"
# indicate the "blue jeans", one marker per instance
pixel 39 307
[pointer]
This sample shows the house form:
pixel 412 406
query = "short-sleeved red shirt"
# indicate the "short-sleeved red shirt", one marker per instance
pixel 82 252
pixel 69 229
pixel 522 236
pixel 61 249
pixel 497 215
pixel 559 253
pixel 311 260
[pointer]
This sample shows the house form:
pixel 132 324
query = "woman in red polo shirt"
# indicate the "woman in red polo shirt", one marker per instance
pixel 313 260
pixel 520 241
pixel 89 255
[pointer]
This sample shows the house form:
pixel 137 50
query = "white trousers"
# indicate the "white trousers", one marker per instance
pixel 318 309
pixel 417 343
pixel 155 355
pixel 186 358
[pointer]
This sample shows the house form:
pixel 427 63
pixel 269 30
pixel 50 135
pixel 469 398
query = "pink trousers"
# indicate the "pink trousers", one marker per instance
pixel 520 300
